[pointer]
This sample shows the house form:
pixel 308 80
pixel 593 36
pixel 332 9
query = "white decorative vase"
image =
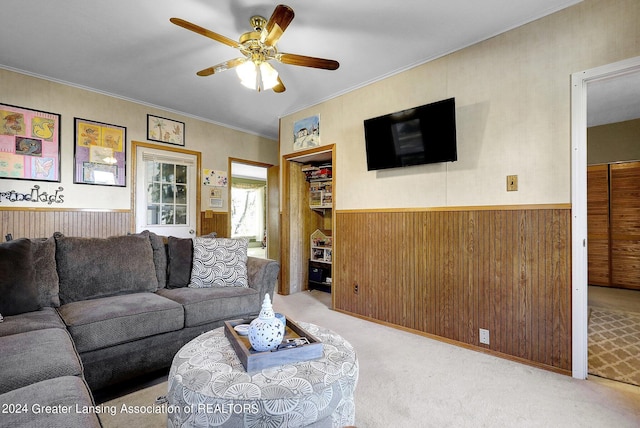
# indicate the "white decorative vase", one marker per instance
pixel 266 332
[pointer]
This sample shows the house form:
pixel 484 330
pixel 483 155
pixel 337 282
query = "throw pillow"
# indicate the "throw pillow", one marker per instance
pixel 180 256
pixel 90 268
pixel 219 262
pixel 45 272
pixel 18 289
pixel 180 259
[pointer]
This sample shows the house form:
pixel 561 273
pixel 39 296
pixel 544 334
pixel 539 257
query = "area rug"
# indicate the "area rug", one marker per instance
pixel 614 345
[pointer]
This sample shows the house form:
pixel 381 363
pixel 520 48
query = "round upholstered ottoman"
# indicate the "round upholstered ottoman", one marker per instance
pixel 209 387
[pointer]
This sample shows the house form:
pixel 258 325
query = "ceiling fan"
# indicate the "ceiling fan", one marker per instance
pixel 258 47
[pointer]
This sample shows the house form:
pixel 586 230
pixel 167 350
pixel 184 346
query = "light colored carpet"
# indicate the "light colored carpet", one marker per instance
pixel 407 380
pixel 614 345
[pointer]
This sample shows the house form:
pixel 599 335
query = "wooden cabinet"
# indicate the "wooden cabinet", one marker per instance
pixel 613 221
pixel 598 224
pixel 624 225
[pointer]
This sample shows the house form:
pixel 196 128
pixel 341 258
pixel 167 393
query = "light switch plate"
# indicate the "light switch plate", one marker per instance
pixel 512 183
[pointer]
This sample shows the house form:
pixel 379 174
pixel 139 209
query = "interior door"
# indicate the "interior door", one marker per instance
pixel 167 186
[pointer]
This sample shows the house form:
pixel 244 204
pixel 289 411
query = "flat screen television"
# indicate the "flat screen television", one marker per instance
pixel 420 135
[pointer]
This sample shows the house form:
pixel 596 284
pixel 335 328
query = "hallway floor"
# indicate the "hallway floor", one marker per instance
pixel 614 298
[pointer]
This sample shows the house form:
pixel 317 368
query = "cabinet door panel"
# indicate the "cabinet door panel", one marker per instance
pixel 625 224
pixel 599 262
pixel 598 224
pixel 625 266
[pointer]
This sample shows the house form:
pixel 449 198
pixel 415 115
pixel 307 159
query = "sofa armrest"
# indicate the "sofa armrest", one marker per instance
pixel 263 274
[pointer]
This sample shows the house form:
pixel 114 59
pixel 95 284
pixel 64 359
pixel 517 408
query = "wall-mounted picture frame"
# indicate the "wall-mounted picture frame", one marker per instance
pixel 100 153
pixel 306 133
pixel 29 144
pixel 165 130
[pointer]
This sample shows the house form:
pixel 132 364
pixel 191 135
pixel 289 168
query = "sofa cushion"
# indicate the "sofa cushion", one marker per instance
pixel 203 305
pixel 37 355
pixel 17 282
pixel 45 271
pixel 90 268
pixel 29 321
pixel 159 258
pixel 64 393
pixel 99 323
pixel 219 262
pixel 180 257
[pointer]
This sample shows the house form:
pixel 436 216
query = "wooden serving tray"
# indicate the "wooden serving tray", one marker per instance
pixel 253 360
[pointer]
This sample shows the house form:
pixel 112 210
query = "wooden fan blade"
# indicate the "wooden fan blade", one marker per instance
pixel 279 21
pixel 279 88
pixel 221 67
pixel 308 61
pixel 207 33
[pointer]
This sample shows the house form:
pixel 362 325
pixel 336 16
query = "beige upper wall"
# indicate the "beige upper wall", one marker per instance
pixel 614 142
pixel 216 143
pixel 513 113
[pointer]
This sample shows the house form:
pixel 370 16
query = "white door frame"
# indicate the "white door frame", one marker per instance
pixel 198 156
pixel 579 261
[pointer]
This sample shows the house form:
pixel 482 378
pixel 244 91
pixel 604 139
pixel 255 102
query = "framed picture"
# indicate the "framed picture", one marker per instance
pixel 306 133
pixel 29 144
pixel 100 153
pixel 165 130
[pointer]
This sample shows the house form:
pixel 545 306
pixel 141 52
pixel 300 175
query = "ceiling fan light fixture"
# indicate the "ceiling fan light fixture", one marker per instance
pixel 259 77
pixel 269 75
pixel 258 47
pixel 248 74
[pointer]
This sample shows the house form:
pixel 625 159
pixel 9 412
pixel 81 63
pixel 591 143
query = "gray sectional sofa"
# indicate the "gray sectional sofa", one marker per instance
pixel 81 314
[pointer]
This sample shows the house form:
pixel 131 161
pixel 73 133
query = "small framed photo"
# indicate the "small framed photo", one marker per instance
pixel 100 153
pixel 165 130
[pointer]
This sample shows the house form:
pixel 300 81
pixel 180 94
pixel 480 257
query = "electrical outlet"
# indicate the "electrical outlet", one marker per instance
pixel 355 288
pixel 484 336
pixel 512 183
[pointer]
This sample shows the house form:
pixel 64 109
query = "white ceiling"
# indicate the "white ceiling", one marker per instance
pixel 614 99
pixel 129 49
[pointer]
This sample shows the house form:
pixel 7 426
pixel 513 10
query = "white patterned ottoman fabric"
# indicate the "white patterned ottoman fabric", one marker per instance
pixel 209 387
pixel 219 262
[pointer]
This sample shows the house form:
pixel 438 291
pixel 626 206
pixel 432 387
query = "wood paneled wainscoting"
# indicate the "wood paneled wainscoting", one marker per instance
pixel 215 221
pixel 42 222
pixel 446 273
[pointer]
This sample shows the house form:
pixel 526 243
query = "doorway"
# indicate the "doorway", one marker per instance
pixel 166 190
pixel 302 215
pixel 249 203
pixel 580 83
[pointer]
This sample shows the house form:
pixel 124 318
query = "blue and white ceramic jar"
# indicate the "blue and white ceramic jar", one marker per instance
pixel 266 332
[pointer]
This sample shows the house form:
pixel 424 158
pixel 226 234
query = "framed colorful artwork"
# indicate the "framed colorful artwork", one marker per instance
pixel 29 144
pixel 100 153
pixel 165 130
